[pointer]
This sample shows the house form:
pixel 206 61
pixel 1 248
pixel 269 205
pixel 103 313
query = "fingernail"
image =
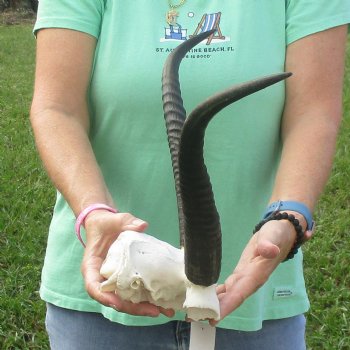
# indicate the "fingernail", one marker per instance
pixel 114 307
pixel 168 313
pixel 153 313
pixel 138 222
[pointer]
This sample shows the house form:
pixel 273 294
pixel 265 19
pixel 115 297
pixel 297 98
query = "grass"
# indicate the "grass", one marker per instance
pixel 327 254
pixel 26 198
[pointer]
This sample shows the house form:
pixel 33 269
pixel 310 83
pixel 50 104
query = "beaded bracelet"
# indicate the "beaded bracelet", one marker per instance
pixel 282 206
pixel 295 222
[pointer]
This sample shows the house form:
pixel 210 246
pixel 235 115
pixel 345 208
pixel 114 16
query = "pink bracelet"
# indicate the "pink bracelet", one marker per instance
pixel 82 216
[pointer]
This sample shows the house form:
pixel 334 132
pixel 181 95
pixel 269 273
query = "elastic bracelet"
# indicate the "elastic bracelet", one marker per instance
pixel 295 222
pixel 298 207
pixel 82 216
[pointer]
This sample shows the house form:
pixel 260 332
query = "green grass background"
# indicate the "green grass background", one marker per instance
pixel 26 199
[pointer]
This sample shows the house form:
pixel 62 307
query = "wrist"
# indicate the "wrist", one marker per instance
pixel 85 213
pixel 296 238
pixel 298 209
pixel 91 199
pixel 300 217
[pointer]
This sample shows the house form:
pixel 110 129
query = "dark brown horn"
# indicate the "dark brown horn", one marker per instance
pixel 202 230
pixel 198 217
pixel 174 111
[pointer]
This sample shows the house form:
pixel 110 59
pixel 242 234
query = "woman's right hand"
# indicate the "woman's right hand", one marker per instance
pixel 60 119
pixel 102 229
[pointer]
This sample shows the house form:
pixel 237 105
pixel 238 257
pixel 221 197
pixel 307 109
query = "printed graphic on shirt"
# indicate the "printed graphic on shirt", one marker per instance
pixel 208 21
pixel 195 24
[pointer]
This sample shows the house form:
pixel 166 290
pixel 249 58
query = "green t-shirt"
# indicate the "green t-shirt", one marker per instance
pixel 242 144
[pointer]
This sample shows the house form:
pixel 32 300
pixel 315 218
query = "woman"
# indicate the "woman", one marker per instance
pixel 97 119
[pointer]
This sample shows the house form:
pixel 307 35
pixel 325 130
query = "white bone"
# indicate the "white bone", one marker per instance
pixel 139 267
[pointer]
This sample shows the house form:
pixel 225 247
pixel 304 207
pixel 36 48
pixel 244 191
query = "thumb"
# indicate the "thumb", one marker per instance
pixel 269 241
pixel 134 224
pixel 267 249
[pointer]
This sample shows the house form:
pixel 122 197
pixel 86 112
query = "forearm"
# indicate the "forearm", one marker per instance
pixel 306 162
pixel 312 115
pixel 60 116
pixel 64 147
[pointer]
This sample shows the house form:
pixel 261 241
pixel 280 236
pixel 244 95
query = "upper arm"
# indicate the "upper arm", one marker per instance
pixel 63 68
pixel 317 64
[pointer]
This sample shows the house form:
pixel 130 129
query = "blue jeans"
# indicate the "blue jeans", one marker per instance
pixel 75 330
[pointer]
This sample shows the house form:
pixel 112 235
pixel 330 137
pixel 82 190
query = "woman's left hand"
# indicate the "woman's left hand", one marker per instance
pixel 263 253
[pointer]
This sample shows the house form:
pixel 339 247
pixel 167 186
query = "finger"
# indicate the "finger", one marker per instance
pixel 137 309
pixel 93 287
pixel 241 285
pixel 167 312
pixel 220 289
pixel 234 297
pixel 113 300
pixel 91 272
pixel 134 224
pixel 307 235
pixel 213 323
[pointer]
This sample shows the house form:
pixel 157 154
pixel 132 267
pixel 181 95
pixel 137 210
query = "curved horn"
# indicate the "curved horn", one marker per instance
pixel 202 232
pixel 198 218
pixel 174 111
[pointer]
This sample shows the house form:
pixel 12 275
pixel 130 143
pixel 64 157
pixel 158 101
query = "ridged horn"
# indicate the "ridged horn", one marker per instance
pixel 174 111
pixel 198 217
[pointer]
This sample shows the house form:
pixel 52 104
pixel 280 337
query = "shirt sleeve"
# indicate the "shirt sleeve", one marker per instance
pixel 305 17
pixel 82 15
